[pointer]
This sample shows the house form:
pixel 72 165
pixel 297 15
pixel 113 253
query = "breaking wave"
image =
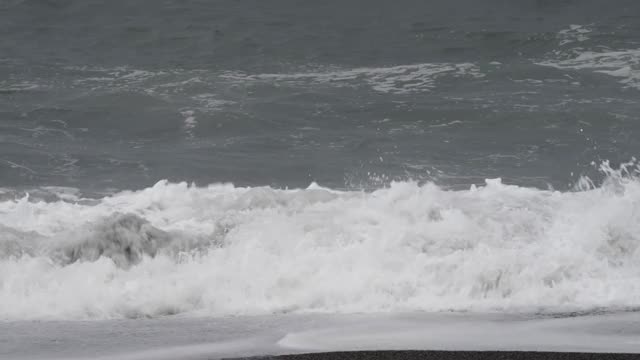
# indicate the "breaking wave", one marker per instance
pixel 223 250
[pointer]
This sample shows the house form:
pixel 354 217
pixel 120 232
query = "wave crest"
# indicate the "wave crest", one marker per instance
pixel 123 238
pixel 222 250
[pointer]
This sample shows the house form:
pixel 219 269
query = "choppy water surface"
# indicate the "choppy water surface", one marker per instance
pixel 258 157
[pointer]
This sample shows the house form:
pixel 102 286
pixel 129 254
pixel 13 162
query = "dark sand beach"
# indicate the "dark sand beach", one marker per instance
pixel 453 355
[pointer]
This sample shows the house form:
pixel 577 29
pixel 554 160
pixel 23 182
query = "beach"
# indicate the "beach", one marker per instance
pixel 330 336
pixel 319 179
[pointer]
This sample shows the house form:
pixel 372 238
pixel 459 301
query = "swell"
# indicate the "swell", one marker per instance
pixel 222 250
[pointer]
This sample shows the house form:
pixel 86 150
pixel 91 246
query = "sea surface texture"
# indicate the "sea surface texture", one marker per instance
pixel 260 157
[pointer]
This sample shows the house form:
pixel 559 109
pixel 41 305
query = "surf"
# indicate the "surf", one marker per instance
pixel 178 248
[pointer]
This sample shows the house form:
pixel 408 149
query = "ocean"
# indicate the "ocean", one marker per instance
pixel 208 159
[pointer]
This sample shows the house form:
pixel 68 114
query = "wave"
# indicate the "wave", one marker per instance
pixel 576 52
pixel 224 250
pixel 401 79
pixel 617 63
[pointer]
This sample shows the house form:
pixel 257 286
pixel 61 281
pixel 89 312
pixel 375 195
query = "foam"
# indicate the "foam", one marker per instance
pixel 576 52
pixel 574 34
pixel 623 64
pixel 401 79
pixel 226 250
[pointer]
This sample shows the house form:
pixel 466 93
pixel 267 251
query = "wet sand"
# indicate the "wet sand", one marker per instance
pixel 326 337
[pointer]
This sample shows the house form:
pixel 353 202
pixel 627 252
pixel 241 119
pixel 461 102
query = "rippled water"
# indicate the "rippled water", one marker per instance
pixel 156 157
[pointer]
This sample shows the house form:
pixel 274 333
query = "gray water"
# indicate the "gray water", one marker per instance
pixel 117 95
pixel 358 136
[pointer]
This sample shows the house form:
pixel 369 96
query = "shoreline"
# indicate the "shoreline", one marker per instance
pixel 450 355
pixel 329 337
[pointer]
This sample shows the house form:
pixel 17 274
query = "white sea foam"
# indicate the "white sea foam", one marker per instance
pixel 220 250
pixel 621 63
pixel 402 79
pixel 574 34
pixel 166 84
pixel 624 64
pixel 19 86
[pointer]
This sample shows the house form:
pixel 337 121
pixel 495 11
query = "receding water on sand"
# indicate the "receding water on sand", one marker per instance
pixel 210 338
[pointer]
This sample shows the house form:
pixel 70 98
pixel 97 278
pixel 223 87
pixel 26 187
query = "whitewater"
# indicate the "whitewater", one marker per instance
pixel 177 248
